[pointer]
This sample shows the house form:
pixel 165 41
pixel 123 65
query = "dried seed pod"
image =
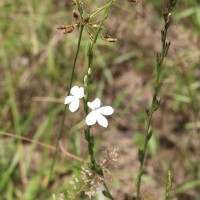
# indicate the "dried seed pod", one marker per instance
pixel 63 26
pixel 112 39
pixel 78 24
pixel 86 20
pixel 69 29
pixel 75 14
pixel 108 38
pixel 91 36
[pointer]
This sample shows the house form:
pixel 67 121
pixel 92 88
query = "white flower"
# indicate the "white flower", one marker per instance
pixel 77 94
pixel 97 114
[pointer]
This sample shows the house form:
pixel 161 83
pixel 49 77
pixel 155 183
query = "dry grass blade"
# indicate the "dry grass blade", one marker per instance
pixel 63 151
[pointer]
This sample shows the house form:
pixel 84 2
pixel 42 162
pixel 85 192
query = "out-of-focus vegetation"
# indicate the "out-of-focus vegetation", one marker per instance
pixel 35 68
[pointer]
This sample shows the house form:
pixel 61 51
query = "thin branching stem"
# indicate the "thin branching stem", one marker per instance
pixel 155 102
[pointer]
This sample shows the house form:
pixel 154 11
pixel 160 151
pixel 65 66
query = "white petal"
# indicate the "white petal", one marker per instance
pixel 106 110
pixel 95 104
pixel 102 120
pixel 80 93
pixel 68 99
pixel 73 106
pixel 91 118
pixel 74 90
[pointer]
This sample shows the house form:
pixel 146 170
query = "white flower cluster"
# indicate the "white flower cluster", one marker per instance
pixel 97 113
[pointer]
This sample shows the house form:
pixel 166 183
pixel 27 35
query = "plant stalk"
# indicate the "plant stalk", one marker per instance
pixel 65 108
pixel 90 139
pixel 169 185
pixel 155 102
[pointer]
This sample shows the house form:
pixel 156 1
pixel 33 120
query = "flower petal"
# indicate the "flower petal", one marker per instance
pixel 73 106
pixel 102 120
pixel 95 104
pixel 74 90
pixel 106 110
pixel 80 93
pixel 91 118
pixel 68 99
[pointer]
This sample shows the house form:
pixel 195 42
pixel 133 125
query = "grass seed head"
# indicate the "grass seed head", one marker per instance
pixel 108 38
pixel 75 14
pixel 86 19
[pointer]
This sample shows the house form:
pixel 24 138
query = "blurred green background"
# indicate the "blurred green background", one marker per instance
pixel 35 69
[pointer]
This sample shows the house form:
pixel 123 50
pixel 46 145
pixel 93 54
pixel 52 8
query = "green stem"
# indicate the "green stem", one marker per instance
pixel 108 192
pixel 99 10
pixel 90 139
pixel 80 9
pixel 76 56
pixel 154 103
pixel 169 185
pixel 65 109
pixel 87 81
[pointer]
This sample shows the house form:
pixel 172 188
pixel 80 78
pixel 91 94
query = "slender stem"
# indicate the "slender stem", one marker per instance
pixel 99 10
pixel 80 9
pixel 87 81
pixel 155 102
pixel 169 185
pixel 108 192
pixel 90 139
pixel 76 56
pixel 65 109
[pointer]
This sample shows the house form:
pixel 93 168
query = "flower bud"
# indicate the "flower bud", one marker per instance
pixel 89 71
pixel 86 79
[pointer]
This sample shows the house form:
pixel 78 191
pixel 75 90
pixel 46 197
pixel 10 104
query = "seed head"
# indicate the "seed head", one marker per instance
pixel 86 20
pixel 69 29
pixel 108 38
pixel 66 28
pixel 75 14
pixel 91 36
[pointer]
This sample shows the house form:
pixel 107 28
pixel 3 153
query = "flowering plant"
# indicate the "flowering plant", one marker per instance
pixel 97 113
